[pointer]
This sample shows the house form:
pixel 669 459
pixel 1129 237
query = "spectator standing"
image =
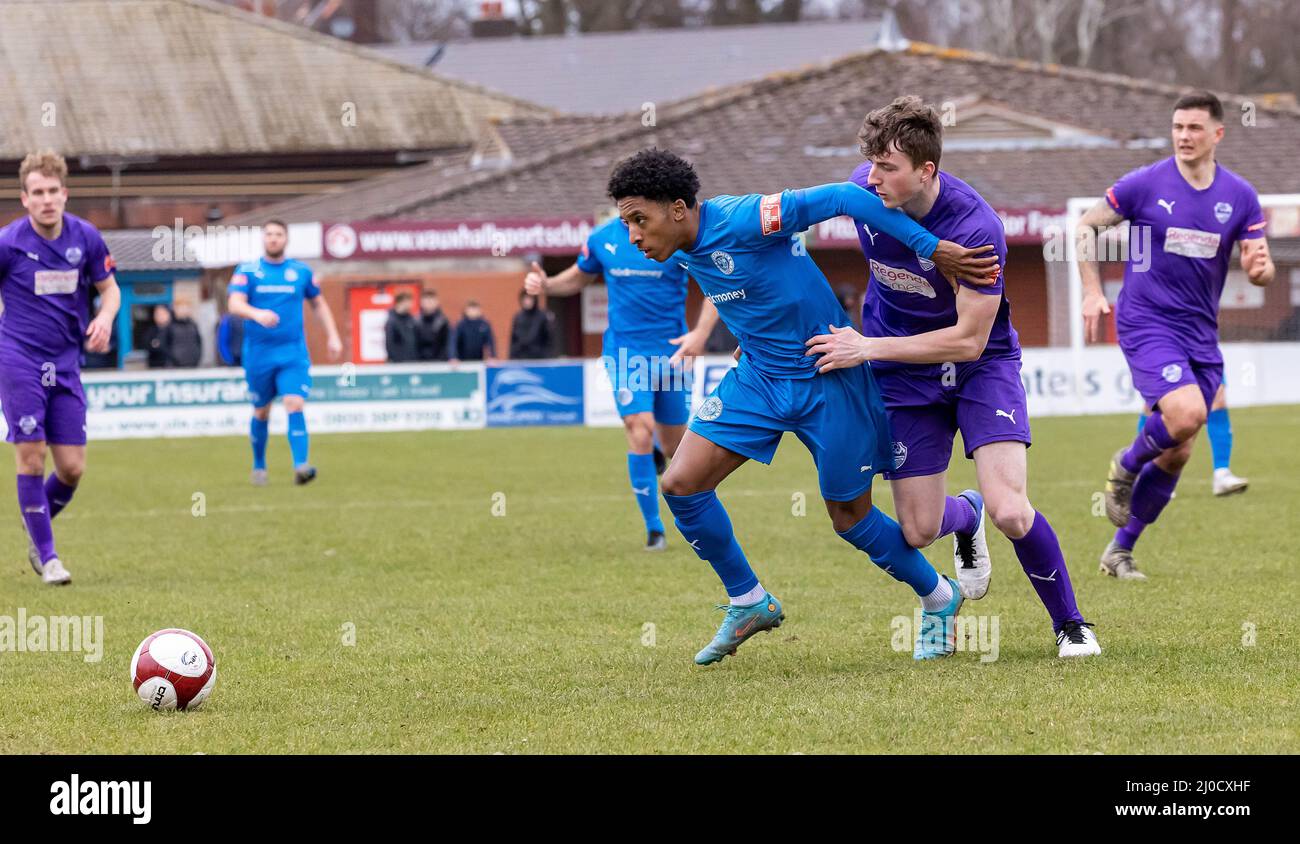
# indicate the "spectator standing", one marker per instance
pixel 432 329
pixel 399 332
pixel 182 343
pixel 473 338
pixel 530 334
pixel 153 337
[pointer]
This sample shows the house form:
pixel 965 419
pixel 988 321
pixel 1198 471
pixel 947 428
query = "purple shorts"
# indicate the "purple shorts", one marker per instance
pixel 984 399
pixel 1161 363
pixel 54 412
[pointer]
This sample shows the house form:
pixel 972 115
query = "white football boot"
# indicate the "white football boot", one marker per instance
pixel 1077 639
pixel 54 573
pixel 1226 483
pixel 970 553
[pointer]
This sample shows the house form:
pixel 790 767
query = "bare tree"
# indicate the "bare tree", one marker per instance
pixel 422 20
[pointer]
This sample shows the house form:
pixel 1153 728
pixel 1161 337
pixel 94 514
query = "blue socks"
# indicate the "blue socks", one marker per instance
pixel 645 486
pixel 298 439
pixel 882 540
pixel 257 435
pixel 1220 430
pixel 706 527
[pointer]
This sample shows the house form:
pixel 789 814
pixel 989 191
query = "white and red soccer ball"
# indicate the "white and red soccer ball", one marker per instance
pixel 173 669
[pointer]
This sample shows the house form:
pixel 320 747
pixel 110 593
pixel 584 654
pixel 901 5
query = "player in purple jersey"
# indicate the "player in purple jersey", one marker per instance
pixel 947 359
pixel 48 262
pixel 1193 211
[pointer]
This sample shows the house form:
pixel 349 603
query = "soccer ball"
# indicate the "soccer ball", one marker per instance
pixel 173 669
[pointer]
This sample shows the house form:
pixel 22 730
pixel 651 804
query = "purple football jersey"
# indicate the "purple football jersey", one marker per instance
pixel 908 295
pixel 45 285
pixel 1192 233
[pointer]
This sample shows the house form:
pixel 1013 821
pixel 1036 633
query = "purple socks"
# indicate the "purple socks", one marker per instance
pixel 958 516
pixel 57 493
pixel 40 500
pixel 1151 440
pixel 1040 556
pixel 36 514
pixel 1151 492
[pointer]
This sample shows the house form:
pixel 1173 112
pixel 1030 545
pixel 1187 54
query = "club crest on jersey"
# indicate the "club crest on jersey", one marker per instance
pixel 1222 211
pixel 291 275
pixel 624 397
pixel 723 262
pixel 73 254
pixel 769 212
pixel 1172 373
pixel 711 409
pixel 900 455
pixel 926 263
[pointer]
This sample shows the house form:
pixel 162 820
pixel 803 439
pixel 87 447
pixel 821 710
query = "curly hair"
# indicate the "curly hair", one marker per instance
pixel 657 175
pixel 908 122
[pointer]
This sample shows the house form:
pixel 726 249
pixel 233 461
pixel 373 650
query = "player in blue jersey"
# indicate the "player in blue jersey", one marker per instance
pixel 744 253
pixel 269 294
pixel 646 350
pixel 947 358
pixel 49 260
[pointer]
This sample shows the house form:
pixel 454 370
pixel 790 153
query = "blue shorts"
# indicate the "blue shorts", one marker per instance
pixel 644 382
pixel 838 416
pixel 278 379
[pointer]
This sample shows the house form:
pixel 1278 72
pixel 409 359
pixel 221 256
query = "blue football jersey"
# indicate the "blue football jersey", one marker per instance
pixel 280 287
pixel 770 294
pixel 647 299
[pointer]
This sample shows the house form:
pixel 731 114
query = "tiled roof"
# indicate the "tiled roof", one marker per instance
pixel 191 77
pixel 799 129
pixel 135 249
pixel 615 72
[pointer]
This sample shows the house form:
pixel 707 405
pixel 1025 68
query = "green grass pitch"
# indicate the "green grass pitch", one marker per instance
pixel 499 602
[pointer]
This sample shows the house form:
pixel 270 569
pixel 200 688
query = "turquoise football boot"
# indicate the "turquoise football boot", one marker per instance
pixel 739 624
pixel 938 634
